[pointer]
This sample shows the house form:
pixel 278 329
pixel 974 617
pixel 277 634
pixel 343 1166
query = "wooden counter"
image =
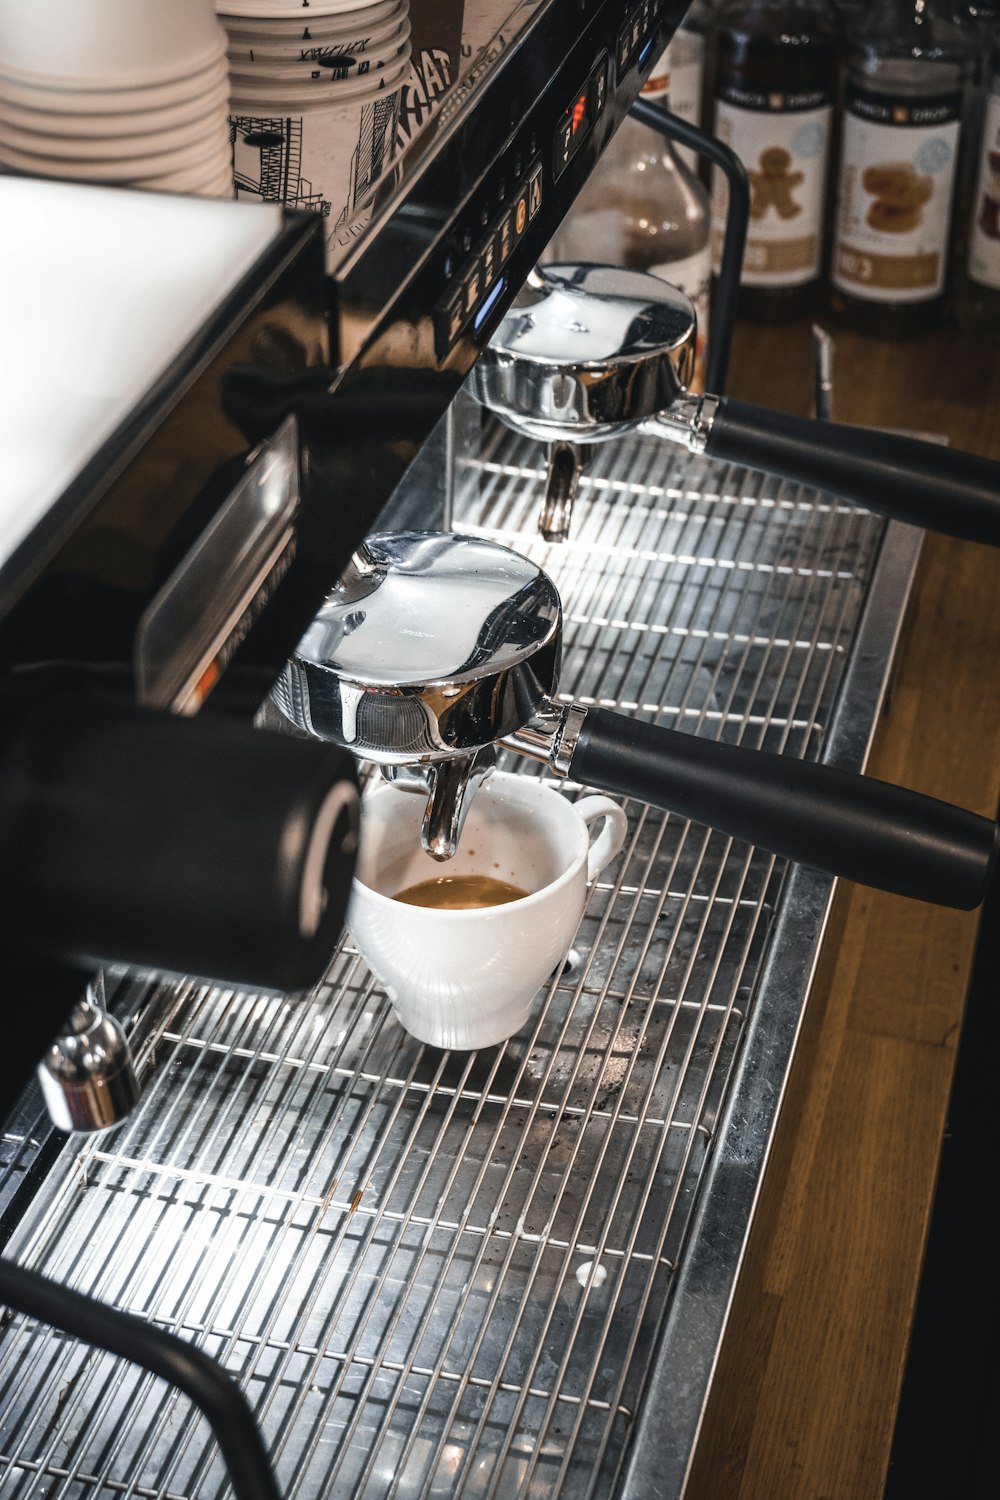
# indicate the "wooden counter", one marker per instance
pixel 805 1399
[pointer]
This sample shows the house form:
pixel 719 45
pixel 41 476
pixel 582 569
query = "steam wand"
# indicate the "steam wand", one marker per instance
pixel 727 287
pixel 568 459
pixel 190 1369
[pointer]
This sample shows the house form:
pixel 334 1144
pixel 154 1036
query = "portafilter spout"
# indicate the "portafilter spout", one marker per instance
pixel 436 646
pixel 587 352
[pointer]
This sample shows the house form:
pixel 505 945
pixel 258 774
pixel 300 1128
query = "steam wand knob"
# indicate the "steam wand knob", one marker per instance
pixel 87 1076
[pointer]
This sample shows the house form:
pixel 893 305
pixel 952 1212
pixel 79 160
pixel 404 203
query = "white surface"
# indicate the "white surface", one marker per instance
pixel 98 44
pixel 131 145
pixel 278 9
pixel 54 95
pixel 213 180
pixel 105 167
pixel 319 27
pixel 100 290
pixel 64 124
pixel 468 979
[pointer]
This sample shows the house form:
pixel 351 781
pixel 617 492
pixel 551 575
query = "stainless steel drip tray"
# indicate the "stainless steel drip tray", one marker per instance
pixel 495 1274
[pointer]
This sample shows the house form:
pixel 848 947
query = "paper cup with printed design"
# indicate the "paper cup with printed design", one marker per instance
pixel 290 9
pixel 263 49
pixel 299 28
pixel 323 155
pixel 363 76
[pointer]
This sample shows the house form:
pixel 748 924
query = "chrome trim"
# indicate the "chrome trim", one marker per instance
pixel 666 1432
pixel 687 421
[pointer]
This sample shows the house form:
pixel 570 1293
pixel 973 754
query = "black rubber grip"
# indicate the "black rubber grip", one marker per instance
pixel 200 846
pixel 854 826
pixel 926 484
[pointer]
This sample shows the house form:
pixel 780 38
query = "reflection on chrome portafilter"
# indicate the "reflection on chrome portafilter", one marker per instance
pixel 586 353
pixel 436 647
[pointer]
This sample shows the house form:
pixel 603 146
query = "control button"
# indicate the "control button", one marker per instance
pixel 449 318
pixel 534 190
pixel 623 49
pixel 504 230
pixel 520 213
pixel 564 143
pixel 599 87
pixel 489 262
pixel 472 286
pixel 636 30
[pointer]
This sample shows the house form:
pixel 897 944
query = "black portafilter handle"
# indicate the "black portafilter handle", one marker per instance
pixel 926 484
pixel 853 826
pixel 200 846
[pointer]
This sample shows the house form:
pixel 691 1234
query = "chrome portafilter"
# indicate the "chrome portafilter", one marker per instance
pixel 436 647
pixel 431 649
pixel 586 353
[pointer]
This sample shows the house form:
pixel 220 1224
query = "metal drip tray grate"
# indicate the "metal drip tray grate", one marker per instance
pixel 439 1274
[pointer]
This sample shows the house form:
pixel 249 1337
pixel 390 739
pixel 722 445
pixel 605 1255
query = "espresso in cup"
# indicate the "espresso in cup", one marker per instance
pixel 460 892
pixel 464 948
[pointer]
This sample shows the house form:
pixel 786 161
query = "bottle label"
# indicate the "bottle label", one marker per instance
pixel 897 180
pixel 685 59
pixel 658 83
pixel 984 233
pixel 693 277
pixel 783 140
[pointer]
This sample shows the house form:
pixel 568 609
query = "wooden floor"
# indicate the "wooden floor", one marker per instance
pixel 807 1390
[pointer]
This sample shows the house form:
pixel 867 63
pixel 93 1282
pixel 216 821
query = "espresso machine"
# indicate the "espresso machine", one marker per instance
pixel 371 1268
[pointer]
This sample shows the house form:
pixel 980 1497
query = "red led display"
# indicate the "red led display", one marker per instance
pixel 579 112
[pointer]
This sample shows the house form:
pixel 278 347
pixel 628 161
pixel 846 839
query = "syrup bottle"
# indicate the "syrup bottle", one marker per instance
pixel 774 89
pixel 687 60
pixel 643 208
pixel 906 93
pixel 978 295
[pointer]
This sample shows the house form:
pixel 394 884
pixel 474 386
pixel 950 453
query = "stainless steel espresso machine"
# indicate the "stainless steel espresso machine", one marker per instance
pixel 272 1245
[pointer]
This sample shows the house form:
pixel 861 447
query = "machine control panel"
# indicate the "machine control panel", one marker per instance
pixel 525 181
pixel 477 282
pixel 578 121
pixel 634 32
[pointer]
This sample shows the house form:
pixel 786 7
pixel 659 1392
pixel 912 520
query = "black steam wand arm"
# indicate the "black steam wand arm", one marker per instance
pixel 673 128
pixel 174 1360
pixel 848 825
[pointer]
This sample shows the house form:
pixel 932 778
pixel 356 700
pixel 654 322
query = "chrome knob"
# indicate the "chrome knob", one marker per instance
pixel 87 1075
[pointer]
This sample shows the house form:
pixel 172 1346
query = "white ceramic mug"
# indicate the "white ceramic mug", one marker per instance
pixel 467 978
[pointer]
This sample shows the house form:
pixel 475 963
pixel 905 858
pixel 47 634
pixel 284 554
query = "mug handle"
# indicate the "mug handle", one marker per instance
pixel 611 836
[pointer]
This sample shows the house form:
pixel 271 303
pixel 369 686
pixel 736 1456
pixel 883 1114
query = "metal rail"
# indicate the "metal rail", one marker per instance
pixel 450 1274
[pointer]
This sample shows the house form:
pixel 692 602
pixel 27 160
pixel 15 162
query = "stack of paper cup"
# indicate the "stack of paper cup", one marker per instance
pixel 315 100
pixel 127 92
